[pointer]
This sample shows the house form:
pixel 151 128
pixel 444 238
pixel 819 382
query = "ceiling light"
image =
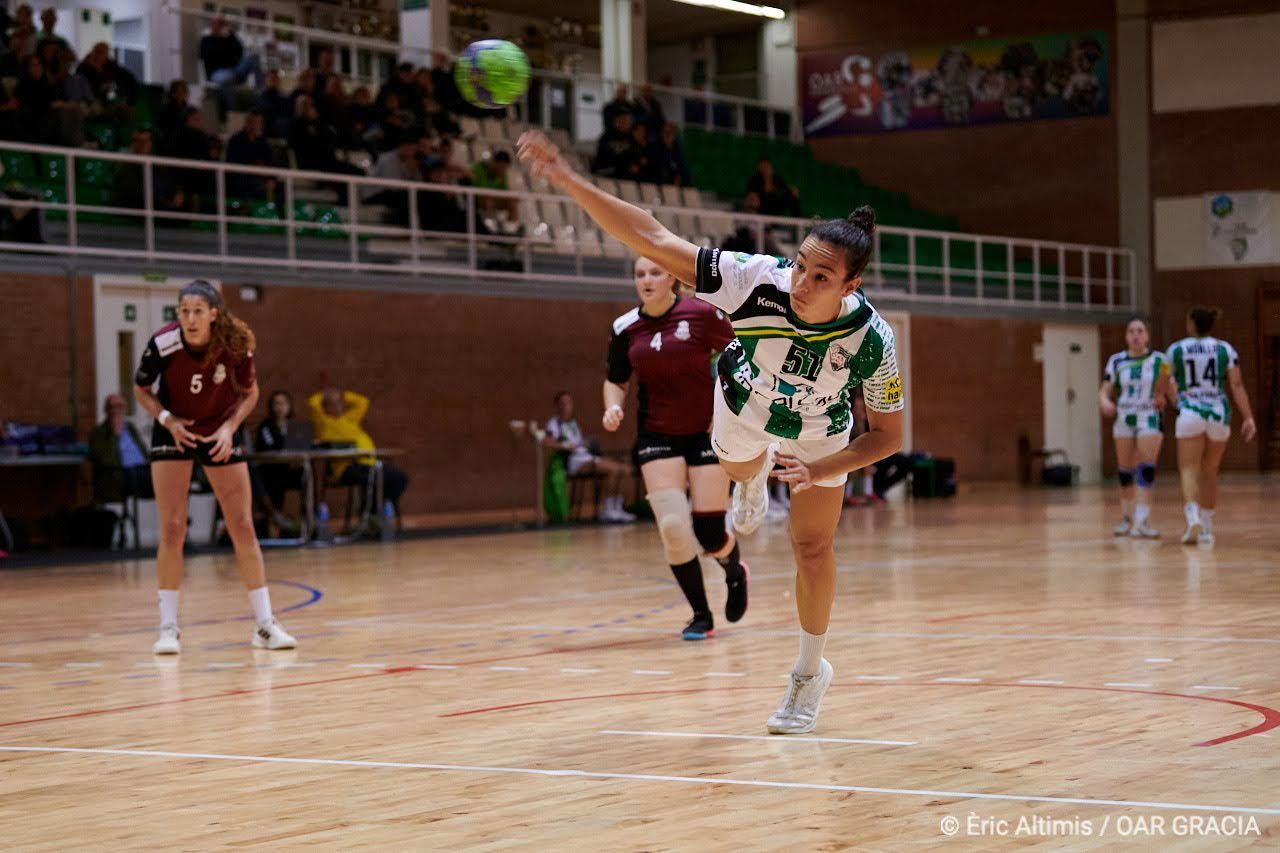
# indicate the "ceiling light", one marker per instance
pixel 734 6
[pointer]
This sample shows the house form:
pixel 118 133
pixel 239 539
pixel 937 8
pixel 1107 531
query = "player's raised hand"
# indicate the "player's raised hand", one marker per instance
pixel 541 155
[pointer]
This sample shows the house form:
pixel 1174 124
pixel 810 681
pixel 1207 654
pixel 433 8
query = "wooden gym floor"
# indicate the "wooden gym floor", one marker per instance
pixel 998 658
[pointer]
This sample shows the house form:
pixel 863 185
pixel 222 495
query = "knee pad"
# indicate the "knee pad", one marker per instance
pixel 1146 475
pixel 675 525
pixel 709 528
pixel 1126 477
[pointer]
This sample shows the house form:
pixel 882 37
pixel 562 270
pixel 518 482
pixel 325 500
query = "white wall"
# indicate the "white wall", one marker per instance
pixel 1179 232
pixel 778 62
pixel 1212 63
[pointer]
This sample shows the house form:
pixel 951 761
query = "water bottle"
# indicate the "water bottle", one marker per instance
pixel 322 522
pixel 388 521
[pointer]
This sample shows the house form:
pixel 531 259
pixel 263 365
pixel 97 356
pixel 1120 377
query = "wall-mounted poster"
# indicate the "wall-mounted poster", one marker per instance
pixel 1061 75
pixel 1237 228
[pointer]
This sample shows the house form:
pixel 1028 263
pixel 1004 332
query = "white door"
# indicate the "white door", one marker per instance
pixel 1071 376
pixel 127 311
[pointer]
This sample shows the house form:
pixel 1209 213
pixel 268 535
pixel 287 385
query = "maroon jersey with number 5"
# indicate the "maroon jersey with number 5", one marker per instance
pixel 207 394
pixel 671 356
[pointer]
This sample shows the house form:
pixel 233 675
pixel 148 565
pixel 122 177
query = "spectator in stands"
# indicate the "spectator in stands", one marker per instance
pixel 127 187
pixel 399 164
pixel 49 22
pixel 314 144
pixel 438 120
pixel 73 100
pixel 439 210
pixel 668 158
pixel 392 125
pixel 11 115
pixel 193 142
pixel 249 147
pixel 363 115
pixel 35 94
pixel 335 110
pixel 777 197
pixel 746 238
pixel 306 85
pixel 644 165
pixel 491 174
pixel 401 85
pixel 337 417
pixel 617 106
pixel 276 107
pixel 172 111
pixel 648 111
pixel 119 457
pixel 456 168
pixel 325 68
pixel 616 156
pixel 444 88
pixel 22 38
pixel 581 457
pixel 114 87
pixel 226 65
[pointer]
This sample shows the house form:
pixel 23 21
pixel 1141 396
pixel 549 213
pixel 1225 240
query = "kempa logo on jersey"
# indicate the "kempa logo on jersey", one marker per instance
pixel 766 302
pixel 715 263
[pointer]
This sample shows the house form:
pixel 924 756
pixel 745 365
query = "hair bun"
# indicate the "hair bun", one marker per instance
pixel 863 217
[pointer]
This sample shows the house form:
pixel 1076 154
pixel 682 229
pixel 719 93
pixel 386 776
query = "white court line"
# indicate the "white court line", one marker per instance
pixel 291 664
pixel 1126 684
pixel 1039 681
pixel 225 664
pixel 879 677
pixel 508 669
pixel 771 738
pixel 576 669
pixel 367 665
pixel 83 665
pixel 958 680
pixel 1212 687
pixel 1159 660
pixel 650 672
pixel 436 666
pixel 1107 638
pixel 645 777
pixel 725 674
pixel 10 663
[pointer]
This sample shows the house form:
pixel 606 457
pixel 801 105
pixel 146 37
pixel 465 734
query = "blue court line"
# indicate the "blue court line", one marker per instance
pixel 71 683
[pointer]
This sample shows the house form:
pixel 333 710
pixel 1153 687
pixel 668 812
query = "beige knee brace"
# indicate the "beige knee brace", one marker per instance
pixel 675 525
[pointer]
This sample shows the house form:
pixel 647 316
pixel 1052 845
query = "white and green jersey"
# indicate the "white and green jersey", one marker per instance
pixel 1200 368
pixel 1135 378
pixel 787 377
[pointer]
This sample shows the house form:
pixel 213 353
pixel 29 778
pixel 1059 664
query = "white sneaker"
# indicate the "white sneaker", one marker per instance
pixel 168 643
pixel 798 712
pixel 751 499
pixel 1123 528
pixel 1143 530
pixel 1206 538
pixel 272 635
pixel 1194 528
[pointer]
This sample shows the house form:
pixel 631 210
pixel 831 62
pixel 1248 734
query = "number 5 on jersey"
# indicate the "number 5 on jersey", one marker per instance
pixel 197 383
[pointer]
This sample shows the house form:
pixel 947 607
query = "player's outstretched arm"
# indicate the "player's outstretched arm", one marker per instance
pixel 627 223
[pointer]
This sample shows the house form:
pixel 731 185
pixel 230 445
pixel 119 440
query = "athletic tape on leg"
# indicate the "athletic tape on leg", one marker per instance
pixel 675 524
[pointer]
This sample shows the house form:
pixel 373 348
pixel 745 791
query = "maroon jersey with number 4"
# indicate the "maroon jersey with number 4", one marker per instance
pixel 207 394
pixel 671 356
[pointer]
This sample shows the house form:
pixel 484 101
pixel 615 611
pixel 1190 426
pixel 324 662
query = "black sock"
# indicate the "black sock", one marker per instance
pixel 731 563
pixel 689 576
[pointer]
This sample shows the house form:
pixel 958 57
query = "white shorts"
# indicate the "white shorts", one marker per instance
pixel 1193 424
pixel 580 458
pixel 1136 424
pixel 736 440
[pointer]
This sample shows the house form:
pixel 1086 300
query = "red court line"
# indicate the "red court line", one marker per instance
pixel 1270 716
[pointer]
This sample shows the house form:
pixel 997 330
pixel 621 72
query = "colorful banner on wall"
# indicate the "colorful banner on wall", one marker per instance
pixel 1061 75
pixel 1237 229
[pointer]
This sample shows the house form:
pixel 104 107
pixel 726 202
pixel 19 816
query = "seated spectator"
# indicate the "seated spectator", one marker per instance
pixel 193 143
pixel 250 148
pixel 491 174
pixel 336 416
pixel 617 106
pixel 118 455
pixel 226 65
pixel 777 197
pixel 363 114
pixel 644 168
pixel 746 238
pixel 172 113
pixel 276 107
pixel 668 159
pixel 565 437
pixel 335 110
pixel 392 124
pixel 73 101
pixel 616 156
pixel 314 143
pixel 22 38
pixel 399 164
pixel 114 87
pixel 401 85
pixel 648 111
pixel 10 115
pixel 48 22
pixel 325 68
pixel 128 183
pixel 457 169
pixel 277 478
pixel 35 94
pixel 306 85
pixel 438 120
pixel 439 210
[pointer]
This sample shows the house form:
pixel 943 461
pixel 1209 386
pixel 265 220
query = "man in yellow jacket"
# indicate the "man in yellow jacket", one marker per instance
pixel 336 417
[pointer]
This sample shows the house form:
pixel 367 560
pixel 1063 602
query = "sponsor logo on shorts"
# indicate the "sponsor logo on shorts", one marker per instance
pixel 893 391
pixel 654 449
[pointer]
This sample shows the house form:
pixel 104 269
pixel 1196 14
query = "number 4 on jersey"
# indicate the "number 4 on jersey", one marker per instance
pixel 656 343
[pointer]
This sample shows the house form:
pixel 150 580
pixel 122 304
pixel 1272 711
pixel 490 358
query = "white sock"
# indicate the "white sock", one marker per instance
pixel 260 598
pixel 810 660
pixel 1192 511
pixel 868 486
pixel 168 607
pixel 1141 512
pixel 1126 507
pixel 1206 519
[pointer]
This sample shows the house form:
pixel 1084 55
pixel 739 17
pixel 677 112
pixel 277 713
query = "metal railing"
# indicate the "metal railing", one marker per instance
pixel 554 99
pixel 461 232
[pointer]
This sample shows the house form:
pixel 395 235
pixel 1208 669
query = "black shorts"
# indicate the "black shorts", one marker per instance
pixel 693 449
pixel 164 448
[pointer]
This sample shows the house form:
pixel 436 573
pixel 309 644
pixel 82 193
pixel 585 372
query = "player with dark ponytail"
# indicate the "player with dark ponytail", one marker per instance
pixel 205 386
pixel 806 340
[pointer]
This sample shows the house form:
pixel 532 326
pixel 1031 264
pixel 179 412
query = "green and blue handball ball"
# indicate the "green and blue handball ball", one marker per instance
pixel 492 73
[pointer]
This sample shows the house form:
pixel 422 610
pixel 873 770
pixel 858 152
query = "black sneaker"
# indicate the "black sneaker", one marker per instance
pixel 736 604
pixel 702 627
